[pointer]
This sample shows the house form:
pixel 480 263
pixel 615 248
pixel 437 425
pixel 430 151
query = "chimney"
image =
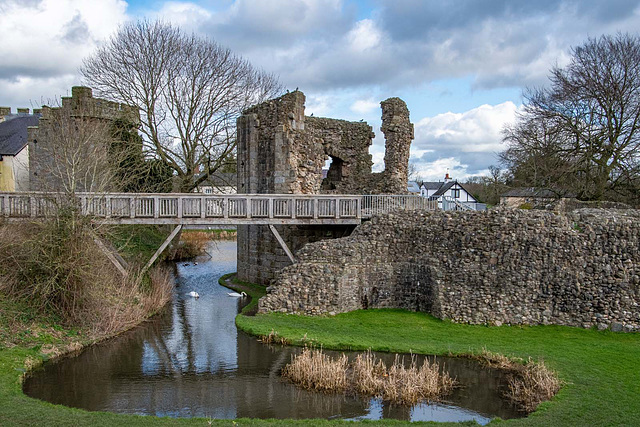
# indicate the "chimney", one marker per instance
pixel 23 111
pixel 447 178
pixel 4 111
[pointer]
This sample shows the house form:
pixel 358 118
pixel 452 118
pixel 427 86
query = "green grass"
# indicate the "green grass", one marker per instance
pixel 601 369
pixel 138 242
pixel 254 291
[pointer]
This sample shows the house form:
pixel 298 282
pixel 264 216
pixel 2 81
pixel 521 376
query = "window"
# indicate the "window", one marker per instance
pixel 455 193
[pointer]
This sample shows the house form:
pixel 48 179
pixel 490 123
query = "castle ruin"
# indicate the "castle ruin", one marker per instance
pixel 282 151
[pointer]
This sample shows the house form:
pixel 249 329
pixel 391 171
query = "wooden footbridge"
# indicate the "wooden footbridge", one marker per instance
pixel 182 209
pixel 201 209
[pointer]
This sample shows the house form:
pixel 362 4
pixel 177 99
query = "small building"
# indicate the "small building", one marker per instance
pixel 14 148
pixel 219 183
pixel 449 189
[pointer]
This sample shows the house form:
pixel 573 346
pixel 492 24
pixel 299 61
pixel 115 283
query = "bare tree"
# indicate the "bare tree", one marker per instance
pixel 189 89
pixel 583 130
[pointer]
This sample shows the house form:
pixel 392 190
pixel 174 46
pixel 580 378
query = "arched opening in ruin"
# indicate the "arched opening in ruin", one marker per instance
pixel 334 174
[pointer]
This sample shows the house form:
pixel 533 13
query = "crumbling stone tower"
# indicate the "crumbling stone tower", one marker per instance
pixel 280 151
pixel 74 115
pixel 398 133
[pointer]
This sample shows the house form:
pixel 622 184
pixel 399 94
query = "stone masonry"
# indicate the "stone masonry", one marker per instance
pixel 280 150
pixel 80 107
pixel 496 267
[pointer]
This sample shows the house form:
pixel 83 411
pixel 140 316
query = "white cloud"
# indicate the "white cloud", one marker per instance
pixel 364 106
pixel 364 36
pixel 318 105
pixel 476 130
pixel 466 143
pixel 44 43
pixel 184 14
pixel 437 169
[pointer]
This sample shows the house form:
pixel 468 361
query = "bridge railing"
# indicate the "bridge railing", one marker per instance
pixel 168 208
pixel 383 203
pixel 189 207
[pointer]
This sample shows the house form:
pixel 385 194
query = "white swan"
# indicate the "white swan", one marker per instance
pixel 235 294
pixel 194 294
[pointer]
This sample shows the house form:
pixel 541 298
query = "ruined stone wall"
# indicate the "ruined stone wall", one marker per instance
pixel 94 115
pixel 494 267
pixel 280 150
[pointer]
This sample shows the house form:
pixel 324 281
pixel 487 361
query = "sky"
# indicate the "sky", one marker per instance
pixel 460 65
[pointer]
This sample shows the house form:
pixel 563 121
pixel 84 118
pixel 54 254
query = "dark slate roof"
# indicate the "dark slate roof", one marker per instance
pixel 443 188
pixel 13 133
pixel 432 185
pixel 535 192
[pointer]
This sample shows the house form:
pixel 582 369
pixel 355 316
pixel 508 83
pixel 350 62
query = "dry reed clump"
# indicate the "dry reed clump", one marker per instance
pixel 314 370
pixel 190 245
pixel 273 338
pixel 369 376
pixel 532 384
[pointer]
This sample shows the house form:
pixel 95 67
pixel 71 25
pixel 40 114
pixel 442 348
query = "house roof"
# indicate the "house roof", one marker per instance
pixel 535 192
pixel 432 185
pixel 13 133
pixel 443 188
pixel 413 187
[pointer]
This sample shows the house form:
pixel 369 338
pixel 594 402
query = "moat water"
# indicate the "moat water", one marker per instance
pixel 191 361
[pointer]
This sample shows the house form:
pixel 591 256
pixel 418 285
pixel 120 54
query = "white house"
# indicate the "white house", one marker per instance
pixel 449 189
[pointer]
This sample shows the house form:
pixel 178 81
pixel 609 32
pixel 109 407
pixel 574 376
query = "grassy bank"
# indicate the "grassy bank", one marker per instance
pixel 600 369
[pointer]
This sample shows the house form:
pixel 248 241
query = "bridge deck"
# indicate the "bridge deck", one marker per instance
pixel 202 209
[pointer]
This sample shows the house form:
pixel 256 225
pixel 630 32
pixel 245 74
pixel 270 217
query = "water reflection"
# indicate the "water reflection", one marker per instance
pixel 191 361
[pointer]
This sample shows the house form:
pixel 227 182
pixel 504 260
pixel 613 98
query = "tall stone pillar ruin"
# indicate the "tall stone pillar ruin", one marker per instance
pixel 398 134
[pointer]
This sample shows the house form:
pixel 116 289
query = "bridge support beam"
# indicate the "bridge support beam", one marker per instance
pixel 162 247
pixel 113 256
pixel 282 243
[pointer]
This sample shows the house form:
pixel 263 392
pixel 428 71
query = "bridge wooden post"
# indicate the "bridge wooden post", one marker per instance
pixel 161 248
pixel 132 207
pixel 5 205
pixel 156 207
pixel 113 256
pixel 32 206
pixel 282 243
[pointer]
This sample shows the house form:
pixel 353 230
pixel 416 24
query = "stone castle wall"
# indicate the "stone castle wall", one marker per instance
pixel 282 151
pixel 81 109
pixel 495 267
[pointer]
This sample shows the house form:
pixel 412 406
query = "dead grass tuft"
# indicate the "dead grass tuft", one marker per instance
pixel 530 382
pixel 273 338
pixel 314 370
pixel 533 384
pixel 369 376
pixel 191 244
